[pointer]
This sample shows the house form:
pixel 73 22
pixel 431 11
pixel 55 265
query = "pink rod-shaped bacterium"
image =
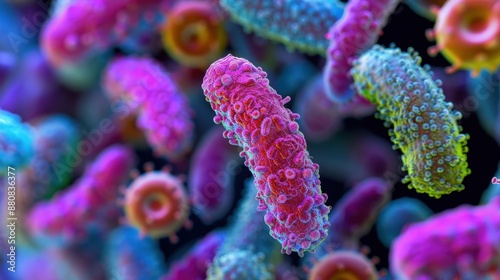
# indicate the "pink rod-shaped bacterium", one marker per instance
pixel 79 28
pixel 275 151
pixel 353 34
pixel 165 115
pixel 213 167
pixel 89 202
pixel 463 243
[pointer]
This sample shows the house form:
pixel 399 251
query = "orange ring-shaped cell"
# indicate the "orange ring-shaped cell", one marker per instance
pixel 157 204
pixel 344 265
pixel 468 34
pixel 194 33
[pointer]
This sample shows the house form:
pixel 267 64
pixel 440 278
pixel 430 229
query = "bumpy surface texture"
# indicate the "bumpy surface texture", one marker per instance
pixel 425 126
pixel 274 149
pixel 463 243
pixel 300 25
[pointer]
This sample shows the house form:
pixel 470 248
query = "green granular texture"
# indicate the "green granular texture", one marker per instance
pixel 424 125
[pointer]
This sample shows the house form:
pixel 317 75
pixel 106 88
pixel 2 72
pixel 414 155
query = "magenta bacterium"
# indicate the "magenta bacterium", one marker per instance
pixel 274 149
pixel 214 164
pixel 163 112
pixel 462 243
pixel 88 204
pixel 79 28
pixel 353 34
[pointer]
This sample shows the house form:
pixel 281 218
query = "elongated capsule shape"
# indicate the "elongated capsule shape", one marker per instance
pixel 425 126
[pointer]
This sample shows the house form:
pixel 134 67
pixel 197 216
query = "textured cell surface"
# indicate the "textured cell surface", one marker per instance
pixel 195 263
pixel 129 256
pixel 424 7
pixel 194 33
pixel 16 142
pixel 462 243
pixel 274 149
pixel 300 25
pixel 211 177
pixel 157 204
pixel 344 265
pixel 467 34
pixel 353 34
pixel 79 28
pixel 164 114
pixel 425 126
pixel 89 203
pixel 397 215
pixel 248 235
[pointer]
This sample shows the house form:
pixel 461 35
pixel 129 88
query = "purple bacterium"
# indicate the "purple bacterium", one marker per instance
pixel 462 243
pixel 274 149
pixel 87 204
pixel 397 215
pixel 425 126
pixel 213 166
pixel 163 112
pixel 353 34
pixel 195 263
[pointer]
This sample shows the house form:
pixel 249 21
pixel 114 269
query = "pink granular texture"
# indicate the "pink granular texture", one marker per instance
pixel 352 35
pixel 90 203
pixel 274 149
pixel 149 91
pixel 463 243
pixel 82 27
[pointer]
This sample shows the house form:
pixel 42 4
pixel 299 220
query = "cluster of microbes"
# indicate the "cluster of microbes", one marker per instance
pixel 249 140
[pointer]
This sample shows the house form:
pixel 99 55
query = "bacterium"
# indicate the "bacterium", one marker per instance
pixel 299 24
pixel 163 112
pixel 212 169
pixel 425 126
pixel 274 149
pixel 353 34
pixel 463 243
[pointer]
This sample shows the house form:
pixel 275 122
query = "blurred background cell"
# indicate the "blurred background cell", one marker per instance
pixel 397 215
